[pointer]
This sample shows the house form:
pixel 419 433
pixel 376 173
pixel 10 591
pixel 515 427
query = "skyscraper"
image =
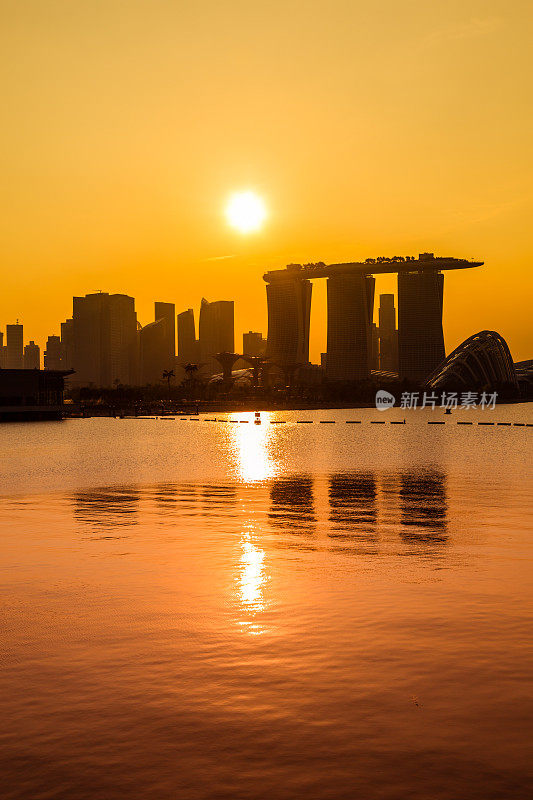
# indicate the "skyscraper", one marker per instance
pixel 167 312
pixel 32 356
pixel 53 353
pixel 374 360
pixel 124 342
pixel 91 340
pixel 15 346
pixel 188 349
pixel 216 329
pixel 153 340
pixel 253 344
pixel 3 352
pixel 420 335
pixel 350 311
pixel 350 290
pixel 388 335
pixel 67 344
pixel 105 340
pixel 289 316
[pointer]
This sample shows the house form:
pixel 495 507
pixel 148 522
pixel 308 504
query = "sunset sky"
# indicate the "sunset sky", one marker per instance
pixel 367 128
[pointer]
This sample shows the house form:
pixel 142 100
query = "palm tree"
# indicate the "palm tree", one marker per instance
pixel 168 374
pixel 193 378
pixel 191 369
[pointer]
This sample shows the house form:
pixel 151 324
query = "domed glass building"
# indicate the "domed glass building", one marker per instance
pixel 483 360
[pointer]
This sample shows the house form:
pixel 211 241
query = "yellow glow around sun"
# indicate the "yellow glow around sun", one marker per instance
pixel 246 212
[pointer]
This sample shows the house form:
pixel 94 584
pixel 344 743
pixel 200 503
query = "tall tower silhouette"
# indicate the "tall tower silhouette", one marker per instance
pixel 105 339
pixel 350 311
pixel 216 332
pixel 289 317
pixel 14 346
pixel 167 312
pixel 388 335
pixel 420 334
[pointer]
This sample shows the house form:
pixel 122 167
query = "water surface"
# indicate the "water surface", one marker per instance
pixel 224 610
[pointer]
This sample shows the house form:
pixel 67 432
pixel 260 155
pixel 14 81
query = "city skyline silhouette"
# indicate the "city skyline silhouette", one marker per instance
pixel 266 399
pixel 105 344
pixel 412 137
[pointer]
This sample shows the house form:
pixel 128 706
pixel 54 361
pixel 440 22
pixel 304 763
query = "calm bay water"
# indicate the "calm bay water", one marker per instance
pixel 197 609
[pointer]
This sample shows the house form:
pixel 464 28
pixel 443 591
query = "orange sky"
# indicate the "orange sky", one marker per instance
pixel 370 128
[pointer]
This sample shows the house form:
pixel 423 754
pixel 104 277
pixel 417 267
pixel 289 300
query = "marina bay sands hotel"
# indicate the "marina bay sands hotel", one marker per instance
pixel 350 305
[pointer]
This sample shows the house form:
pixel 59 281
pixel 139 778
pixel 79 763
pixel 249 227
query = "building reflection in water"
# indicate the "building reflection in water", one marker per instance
pixel 175 499
pixel 166 495
pixel 424 507
pixel 218 499
pixel 353 508
pixel 252 447
pixel 107 508
pixel 292 504
pixel 190 500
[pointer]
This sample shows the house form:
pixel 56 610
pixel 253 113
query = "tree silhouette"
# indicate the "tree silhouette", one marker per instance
pixel 191 369
pixel 168 374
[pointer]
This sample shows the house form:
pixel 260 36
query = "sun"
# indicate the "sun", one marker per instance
pixel 246 212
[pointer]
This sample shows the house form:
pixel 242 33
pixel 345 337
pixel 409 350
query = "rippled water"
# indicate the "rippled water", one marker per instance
pixel 197 609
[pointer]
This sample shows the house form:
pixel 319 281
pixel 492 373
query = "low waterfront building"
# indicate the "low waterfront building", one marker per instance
pixel 31 394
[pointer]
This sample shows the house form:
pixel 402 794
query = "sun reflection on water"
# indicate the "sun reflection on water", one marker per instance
pixel 252 447
pixel 252 576
pixel 251 582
